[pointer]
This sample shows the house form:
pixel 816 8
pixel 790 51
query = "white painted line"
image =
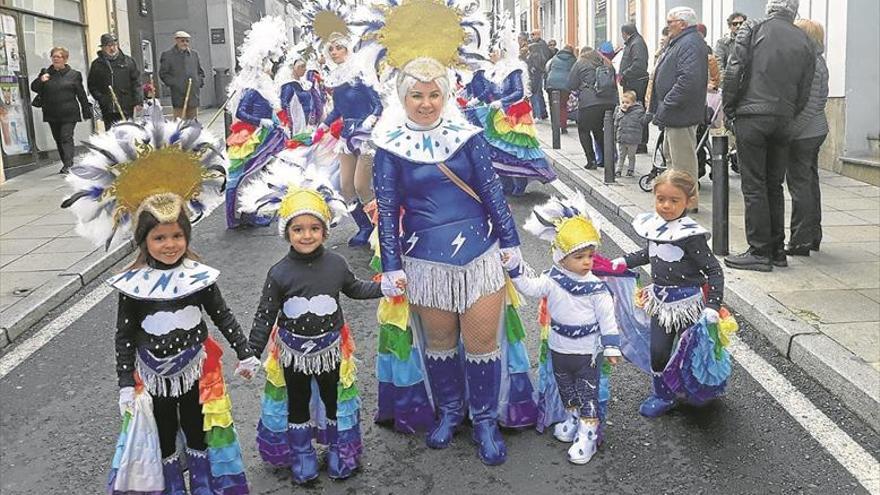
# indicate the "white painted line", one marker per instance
pixel 862 465
pixel 42 337
pixel 837 442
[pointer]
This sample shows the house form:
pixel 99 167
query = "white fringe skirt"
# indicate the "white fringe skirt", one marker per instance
pixel 450 287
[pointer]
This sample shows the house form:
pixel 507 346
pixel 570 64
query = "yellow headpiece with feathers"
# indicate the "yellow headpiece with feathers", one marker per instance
pixel 565 223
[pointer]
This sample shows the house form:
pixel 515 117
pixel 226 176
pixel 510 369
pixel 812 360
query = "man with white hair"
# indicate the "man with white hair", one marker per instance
pixel 678 103
pixel 180 69
pixel 765 85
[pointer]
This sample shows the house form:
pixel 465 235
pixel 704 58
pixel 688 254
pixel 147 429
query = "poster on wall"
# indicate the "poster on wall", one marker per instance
pixel 13 127
pixel 13 58
pixel 8 24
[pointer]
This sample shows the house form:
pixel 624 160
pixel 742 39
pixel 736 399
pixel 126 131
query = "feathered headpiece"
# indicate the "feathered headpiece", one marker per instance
pixel 287 191
pixel 327 21
pixel 164 167
pixel 458 33
pixel 565 223
pixel 264 44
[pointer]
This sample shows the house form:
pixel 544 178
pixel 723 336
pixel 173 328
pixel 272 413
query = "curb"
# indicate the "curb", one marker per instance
pixel 19 317
pixel 855 383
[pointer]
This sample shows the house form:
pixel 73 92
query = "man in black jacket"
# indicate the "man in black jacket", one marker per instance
pixel 765 85
pixel 679 97
pixel 112 68
pixel 724 45
pixel 634 70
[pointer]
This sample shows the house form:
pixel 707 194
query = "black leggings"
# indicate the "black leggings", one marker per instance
pixel 578 381
pixel 299 393
pixel 661 343
pixel 185 413
pixel 590 128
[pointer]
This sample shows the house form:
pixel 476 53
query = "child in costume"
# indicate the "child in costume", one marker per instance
pixel 310 342
pixel 151 178
pixel 583 329
pixel 681 264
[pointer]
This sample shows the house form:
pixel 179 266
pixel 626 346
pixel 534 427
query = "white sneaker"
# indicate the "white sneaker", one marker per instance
pixel 585 443
pixel 566 430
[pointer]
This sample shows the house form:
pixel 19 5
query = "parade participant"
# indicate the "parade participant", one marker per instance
pixel 357 104
pixel 583 327
pixel 476 93
pixel 258 132
pixel 508 122
pixel 681 264
pixel 444 248
pixel 310 341
pixel 168 367
pixel 308 96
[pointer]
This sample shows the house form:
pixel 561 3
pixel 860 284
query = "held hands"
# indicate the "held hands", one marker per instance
pixel 510 258
pixel 473 102
pixel 247 368
pixel 711 315
pixel 618 263
pixel 495 104
pixel 393 283
pixel 126 400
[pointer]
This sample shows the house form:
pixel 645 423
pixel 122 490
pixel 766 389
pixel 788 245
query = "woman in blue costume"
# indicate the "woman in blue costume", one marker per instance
pixel 479 91
pixel 445 249
pixel 357 103
pixel 256 135
pixel 508 123
pixel 307 93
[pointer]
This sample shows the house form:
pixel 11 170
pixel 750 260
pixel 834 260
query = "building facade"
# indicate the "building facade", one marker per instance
pixel 30 29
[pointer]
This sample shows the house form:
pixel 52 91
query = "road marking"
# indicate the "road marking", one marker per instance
pixel 42 337
pixel 862 465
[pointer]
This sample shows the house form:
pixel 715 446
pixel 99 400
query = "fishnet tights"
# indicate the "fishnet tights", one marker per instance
pixel 478 325
pixel 355 177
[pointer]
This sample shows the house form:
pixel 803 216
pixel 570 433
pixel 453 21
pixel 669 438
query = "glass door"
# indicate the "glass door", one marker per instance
pixel 15 115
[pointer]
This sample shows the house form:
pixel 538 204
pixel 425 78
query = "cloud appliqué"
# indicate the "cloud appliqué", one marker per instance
pixel 164 322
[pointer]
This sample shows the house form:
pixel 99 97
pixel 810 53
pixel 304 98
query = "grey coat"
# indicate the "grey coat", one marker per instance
pixel 811 121
pixel 628 125
pixel 175 67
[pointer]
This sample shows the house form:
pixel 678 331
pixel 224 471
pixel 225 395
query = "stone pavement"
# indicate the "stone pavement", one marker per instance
pixel 833 293
pixel 42 259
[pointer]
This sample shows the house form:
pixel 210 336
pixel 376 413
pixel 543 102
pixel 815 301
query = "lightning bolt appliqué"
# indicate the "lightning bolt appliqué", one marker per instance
pixel 458 243
pixel 307 347
pixel 413 239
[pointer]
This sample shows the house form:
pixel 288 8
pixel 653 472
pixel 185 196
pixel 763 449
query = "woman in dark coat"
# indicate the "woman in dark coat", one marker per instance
pixel 593 101
pixel 64 102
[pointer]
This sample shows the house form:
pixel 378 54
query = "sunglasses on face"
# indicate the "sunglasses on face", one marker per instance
pixel 736 24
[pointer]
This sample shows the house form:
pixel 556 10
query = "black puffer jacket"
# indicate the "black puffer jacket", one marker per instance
pixel 122 73
pixel 63 96
pixel 680 81
pixel 770 70
pixel 634 61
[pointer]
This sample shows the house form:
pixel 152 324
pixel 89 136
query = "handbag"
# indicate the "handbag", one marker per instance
pixel 37 102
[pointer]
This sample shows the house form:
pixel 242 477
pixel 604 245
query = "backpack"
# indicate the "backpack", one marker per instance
pixel 605 84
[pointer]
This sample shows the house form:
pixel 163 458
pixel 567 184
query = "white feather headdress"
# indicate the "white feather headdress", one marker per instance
pixel 566 224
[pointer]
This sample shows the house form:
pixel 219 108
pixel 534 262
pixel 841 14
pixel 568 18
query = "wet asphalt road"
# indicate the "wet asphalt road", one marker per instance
pixel 59 419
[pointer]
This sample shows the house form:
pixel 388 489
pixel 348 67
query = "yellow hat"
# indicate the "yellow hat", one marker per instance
pixel 575 233
pixel 304 202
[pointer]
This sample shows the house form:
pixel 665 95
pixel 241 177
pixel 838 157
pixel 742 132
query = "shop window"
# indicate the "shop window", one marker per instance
pixel 62 9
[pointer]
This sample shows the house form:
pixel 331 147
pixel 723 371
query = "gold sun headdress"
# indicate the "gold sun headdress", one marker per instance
pixel 458 34
pixel 326 22
pixel 287 190
pixel 565 223
pixel 163 167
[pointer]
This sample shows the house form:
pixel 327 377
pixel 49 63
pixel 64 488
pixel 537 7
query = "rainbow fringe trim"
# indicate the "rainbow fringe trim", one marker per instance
pixel 272 428
pixel 517 407
pixel 224 452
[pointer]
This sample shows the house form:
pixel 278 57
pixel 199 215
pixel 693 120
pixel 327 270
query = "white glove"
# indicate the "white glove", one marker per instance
pixel 126 400
pixel 369 122
pixel 473 102
pixel 711 315
pixel 390 282
pixel 495 104
pixel 513 255
pixel 618 262
pixel 247 368
pixel 266 123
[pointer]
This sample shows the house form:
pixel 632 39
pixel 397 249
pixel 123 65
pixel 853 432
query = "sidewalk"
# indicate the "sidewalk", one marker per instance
pixel 823 311
pixel 42 260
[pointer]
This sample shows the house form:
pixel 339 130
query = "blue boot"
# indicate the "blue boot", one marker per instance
pixel 303 459
pixel 173 477
pixel 337 468
pixel 199 472
pixel 447 387
pixel 365 227
pixel 484 377
pixel 661 400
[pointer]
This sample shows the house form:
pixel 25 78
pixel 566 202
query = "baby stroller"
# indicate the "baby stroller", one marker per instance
pixel 704 147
